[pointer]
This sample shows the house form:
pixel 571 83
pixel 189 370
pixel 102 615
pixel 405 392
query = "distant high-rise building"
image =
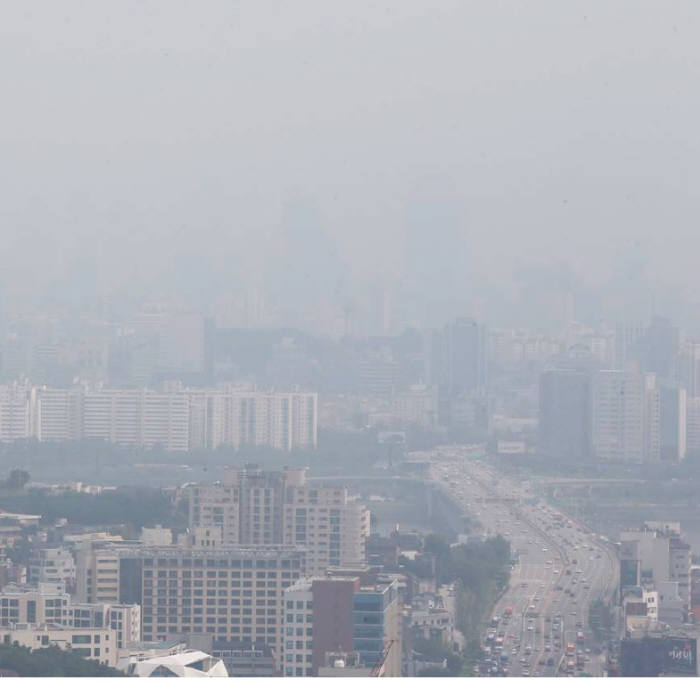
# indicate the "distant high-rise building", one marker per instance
pixel 16 407
pixel 175 419
pixel 693 426
pixel 142 418
pixel 378 375
pixel 689 367
pixel 565 414
pixel 466 355
pixel 284 420
pixel 178 339
pixel 673 422
pixel 628 337
pixel 660 348
pixel 618 415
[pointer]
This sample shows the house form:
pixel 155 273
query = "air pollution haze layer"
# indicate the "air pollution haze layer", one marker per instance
pixel 457 154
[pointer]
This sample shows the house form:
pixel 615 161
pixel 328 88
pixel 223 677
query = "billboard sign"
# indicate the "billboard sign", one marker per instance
pixel 681 655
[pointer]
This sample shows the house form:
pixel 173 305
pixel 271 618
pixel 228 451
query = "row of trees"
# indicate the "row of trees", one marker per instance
pixel 479 571
pixel 136 506
pixel 50 662
pixel 600 619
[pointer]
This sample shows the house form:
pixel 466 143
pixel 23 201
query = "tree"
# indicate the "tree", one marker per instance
pixel 51 662
pixel 17 479
pixel 600 618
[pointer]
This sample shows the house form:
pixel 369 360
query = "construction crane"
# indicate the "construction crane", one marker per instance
pixel 377 669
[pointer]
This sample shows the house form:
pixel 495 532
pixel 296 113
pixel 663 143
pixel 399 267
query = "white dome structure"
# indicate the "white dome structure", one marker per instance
pixel 185 664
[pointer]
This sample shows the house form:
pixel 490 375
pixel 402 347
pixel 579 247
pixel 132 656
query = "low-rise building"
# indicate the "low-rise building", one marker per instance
pixel 335 613
pixel 184 664
pixel 96 644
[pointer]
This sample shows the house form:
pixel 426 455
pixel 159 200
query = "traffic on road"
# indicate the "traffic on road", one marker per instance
pixel 539 627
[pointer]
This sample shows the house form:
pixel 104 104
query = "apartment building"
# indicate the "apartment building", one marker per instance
pixel 17 401
pixel 261 508
pixel 282 420
pixel 176 419
pixel 58 414
pixel 342 613
pixel 332 526
pixel 138 417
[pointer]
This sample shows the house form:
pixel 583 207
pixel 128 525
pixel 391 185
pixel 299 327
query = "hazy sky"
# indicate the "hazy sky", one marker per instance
pixel 154 146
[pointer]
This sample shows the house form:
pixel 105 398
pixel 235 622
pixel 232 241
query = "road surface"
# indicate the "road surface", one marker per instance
pixel 561 568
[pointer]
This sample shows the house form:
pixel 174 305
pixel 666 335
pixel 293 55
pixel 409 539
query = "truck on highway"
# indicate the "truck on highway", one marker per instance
pixel 504 657
pixel 508 612
pixel 579 637
pixel 570 649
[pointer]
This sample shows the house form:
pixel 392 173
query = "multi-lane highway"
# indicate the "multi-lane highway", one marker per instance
pixel 561 568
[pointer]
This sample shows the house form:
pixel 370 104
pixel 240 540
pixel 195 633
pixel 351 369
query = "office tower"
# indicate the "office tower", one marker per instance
pixel 466 355
pixel 660 348
pixel 342 614
pixel 628 340
pixel 689 367
pixel 565 415
pixel 178 338
pixel 378 375
pixel 235 593
pixel 436 275
pixel 673 422
pixel 618 415
pixel 416 405
pixel 262 508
